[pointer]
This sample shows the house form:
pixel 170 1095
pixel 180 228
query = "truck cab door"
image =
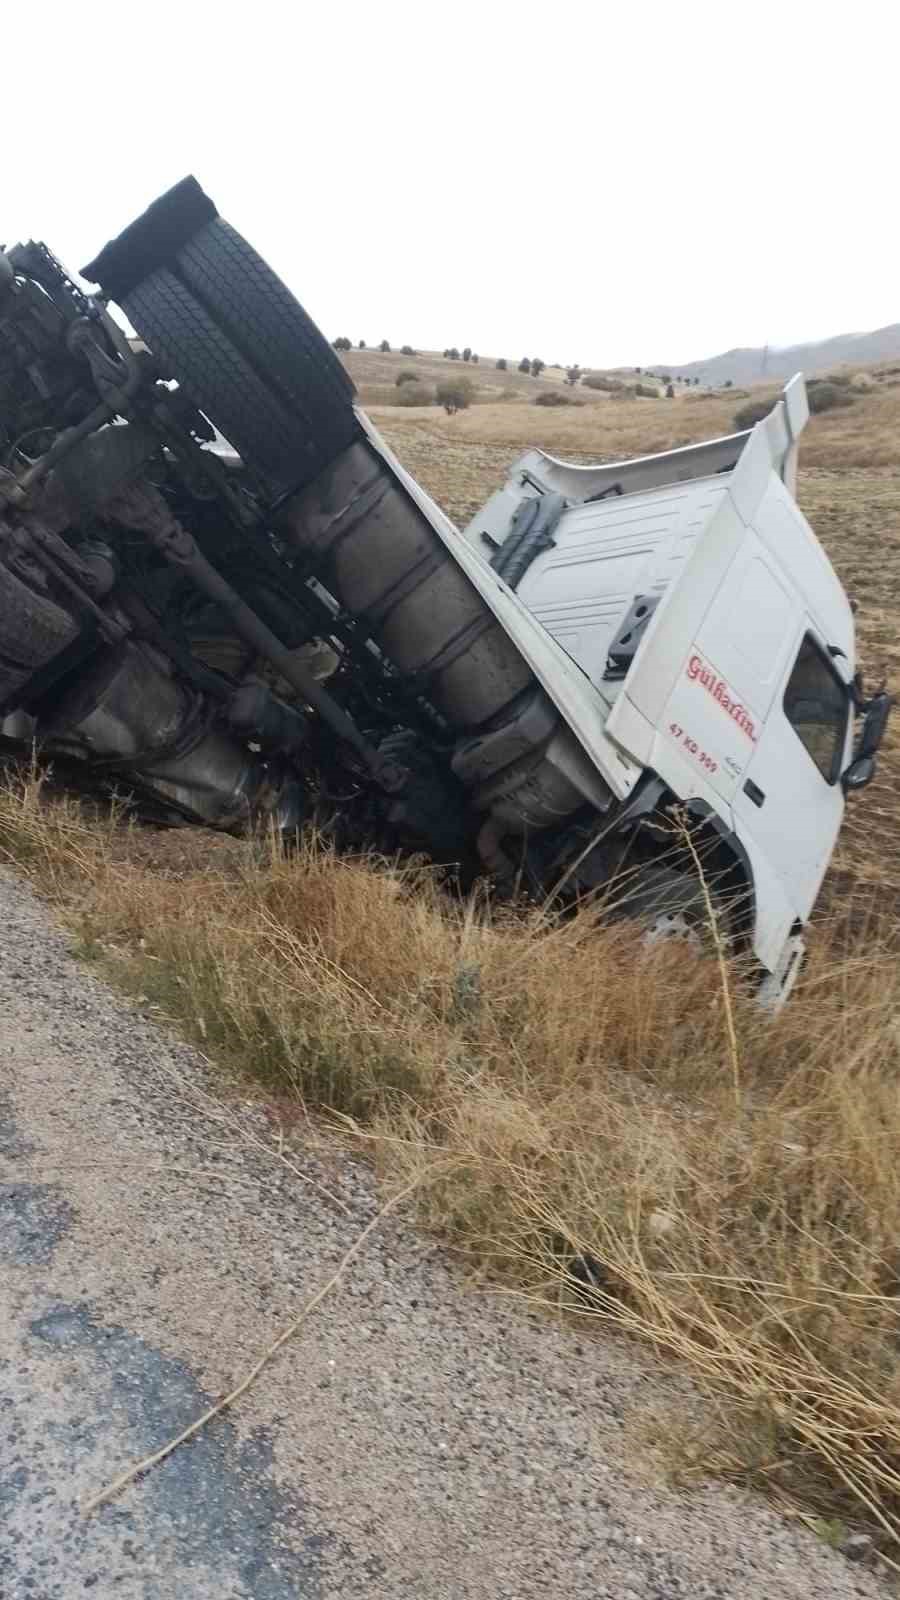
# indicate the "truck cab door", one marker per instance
pixel 790 801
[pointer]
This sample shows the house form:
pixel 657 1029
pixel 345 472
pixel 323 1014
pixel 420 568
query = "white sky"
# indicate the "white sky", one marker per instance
pixel 636 183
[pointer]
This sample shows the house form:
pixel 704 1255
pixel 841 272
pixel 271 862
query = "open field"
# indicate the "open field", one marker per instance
pixel 583 1127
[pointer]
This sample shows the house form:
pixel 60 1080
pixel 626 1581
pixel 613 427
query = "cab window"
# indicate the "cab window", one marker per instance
pixel 816 704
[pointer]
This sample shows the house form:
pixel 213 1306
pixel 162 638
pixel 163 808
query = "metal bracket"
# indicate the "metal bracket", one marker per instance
pixel 629 636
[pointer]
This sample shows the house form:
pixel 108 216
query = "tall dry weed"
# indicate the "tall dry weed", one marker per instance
pixel 585 1088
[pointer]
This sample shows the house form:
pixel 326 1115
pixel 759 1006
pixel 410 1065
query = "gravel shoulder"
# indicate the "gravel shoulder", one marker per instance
pixel 413 1438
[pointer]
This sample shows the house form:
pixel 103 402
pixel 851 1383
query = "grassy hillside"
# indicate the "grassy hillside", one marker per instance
pixel 375 374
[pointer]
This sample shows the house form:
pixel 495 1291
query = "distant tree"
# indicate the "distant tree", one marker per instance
pixel 361 345
pixel 823 395
pixel 728 384
pixel 415 394
pixel 555 397
pixel 525 364
pixel 453 354
pixel 501 364
pixel 537 366
pixel 752 413
pixel 342 344
pixel 474 359
pixel 467 353
pixel 666 378
pixel 573 374
pixel 638 371
pixel 670 391
pixel 407 350
pixel 599 380
pixel 454 394
pixel 384 347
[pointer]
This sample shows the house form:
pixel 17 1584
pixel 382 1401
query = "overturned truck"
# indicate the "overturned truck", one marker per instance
pixel 221 593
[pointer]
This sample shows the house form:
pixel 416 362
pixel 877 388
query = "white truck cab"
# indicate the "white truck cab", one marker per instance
pixel 698 604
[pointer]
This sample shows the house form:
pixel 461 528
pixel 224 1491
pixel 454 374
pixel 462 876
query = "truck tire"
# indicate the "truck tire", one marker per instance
pixel 270 327
pixel 254 417
pixel 668 904
pixel 188 346
pixel 186 277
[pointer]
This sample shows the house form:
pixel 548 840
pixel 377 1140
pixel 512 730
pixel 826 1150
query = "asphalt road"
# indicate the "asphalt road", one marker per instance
pixel 414 1439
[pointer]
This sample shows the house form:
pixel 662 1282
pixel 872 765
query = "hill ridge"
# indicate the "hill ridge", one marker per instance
pixel 752 364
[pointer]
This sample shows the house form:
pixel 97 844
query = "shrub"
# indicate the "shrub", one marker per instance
pixel 826 396
pixel 525 364
pixel 537 366
pixel 467 353
pixel 646 391
pixel 666 378
pixel 453 354
pixel 728 384
pixel 748 416
pixel 862 382
pixel 556 397
pixel 670 391
pixel 407 350
pixel 474 359
pixel 596 380
pixel 415 394
pixel 342 344
pixel 384 347
pixel 842 379
pixel 501 364
pixel 455 394
pixel 573 374
pixel 407 376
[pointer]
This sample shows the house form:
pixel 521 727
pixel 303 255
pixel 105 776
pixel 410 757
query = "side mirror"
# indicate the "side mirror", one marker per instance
pixel 874 724
pixel 859 773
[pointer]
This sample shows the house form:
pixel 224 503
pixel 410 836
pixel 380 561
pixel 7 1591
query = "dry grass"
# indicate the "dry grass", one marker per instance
pixel 862 436
pixel 565 1099
pixel 601 430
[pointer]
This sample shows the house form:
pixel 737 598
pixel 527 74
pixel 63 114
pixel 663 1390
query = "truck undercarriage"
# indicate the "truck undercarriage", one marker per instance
pixel 220 594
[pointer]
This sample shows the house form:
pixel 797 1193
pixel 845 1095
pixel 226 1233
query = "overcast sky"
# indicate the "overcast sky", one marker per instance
pixel 638 183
